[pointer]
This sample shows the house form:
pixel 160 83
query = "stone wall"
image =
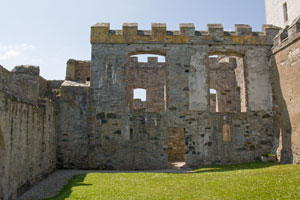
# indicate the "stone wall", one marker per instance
pixel 112 125
pixel 27 131
pixel 78 70
pixel 72 125
pixel 286 74
pixel 22 82
pixel 251 135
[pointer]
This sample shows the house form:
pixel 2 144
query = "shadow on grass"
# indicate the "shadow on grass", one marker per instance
pixel 234 167
pixel 66 191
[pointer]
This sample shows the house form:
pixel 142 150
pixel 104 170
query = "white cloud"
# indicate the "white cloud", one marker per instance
pixel 8 52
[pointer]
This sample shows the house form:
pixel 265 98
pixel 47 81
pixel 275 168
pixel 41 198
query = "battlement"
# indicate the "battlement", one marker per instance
pixel 243 34
pixel 287 35
pixel 152 62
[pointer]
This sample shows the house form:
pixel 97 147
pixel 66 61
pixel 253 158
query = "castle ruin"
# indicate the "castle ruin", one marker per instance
pixel 91 120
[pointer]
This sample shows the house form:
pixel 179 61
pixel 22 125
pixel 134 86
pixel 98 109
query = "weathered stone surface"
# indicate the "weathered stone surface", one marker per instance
pixel 27 130
pixel 78 70
pixel 115 136
pixel 286 74
pixel 100 34
pixel 93 122
pixel 27 144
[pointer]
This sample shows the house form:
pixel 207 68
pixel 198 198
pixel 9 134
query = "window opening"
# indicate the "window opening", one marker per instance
pixel 146 83
pixel 213 100
pixel 285 12
pixel 131 134
pixel 227 84
pixel 140 93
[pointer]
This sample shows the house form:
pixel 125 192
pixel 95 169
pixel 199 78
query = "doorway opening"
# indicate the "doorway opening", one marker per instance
pixel 176 147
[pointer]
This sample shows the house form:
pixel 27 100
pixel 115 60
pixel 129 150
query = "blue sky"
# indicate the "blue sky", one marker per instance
pixel 49 32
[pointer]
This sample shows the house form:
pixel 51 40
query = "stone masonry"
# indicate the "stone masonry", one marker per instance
pixel 92 121
pixel 27 130
pixel 112 134
pixel 286 74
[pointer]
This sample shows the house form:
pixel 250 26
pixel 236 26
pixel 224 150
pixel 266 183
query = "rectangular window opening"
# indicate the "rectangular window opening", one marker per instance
pixel 285 12
pixel 227 84
pixel 131 134
pixel 146 83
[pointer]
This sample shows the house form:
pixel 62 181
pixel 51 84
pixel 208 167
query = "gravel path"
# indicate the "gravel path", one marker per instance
pixel 52 185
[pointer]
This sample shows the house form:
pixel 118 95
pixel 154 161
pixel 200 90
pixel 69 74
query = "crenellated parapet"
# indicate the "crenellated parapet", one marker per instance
pixel 152 62
pixel 287 36
pixel 215 34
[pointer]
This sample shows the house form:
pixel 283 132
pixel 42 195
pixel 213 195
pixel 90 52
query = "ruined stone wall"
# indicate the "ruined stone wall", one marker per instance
pixel 222 78
pixel 150 76
pixel 111 122
pixel 286 74
pixel 72 122
pixel 78 70
pixel 27 131
pixel 22 83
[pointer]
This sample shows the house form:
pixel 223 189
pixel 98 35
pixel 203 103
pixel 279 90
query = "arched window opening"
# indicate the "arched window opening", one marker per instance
pixel 147 82
pixel 227 78
pixel 139 98
pixel 140 93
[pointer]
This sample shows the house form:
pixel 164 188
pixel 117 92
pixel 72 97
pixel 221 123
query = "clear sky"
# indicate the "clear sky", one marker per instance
pixel 49 32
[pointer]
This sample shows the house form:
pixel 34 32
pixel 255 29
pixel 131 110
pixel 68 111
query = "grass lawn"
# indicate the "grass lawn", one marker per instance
pixel 244 181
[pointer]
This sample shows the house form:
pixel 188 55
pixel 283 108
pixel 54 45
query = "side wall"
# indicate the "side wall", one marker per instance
pixel 27 135
pixel 286 75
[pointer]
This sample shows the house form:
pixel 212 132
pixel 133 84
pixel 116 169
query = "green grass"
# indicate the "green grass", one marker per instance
pixel 244 181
